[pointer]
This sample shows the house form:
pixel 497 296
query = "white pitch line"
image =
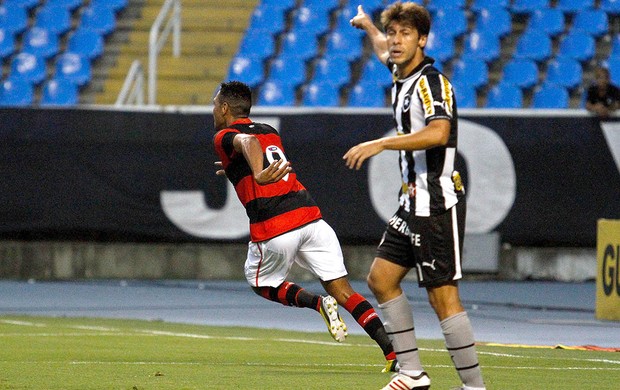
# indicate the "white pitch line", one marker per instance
pixel 298 365
pixel 22 323
pixel 141 332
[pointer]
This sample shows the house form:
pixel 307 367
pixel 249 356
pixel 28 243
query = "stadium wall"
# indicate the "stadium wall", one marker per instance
pixel 101 192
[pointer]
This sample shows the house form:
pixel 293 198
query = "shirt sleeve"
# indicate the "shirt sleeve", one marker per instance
pixel 437 96
pixel 223 142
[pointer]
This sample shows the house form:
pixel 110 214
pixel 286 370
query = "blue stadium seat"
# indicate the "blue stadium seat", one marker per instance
pixel 496 21
pixel 465 95
pixel 98 18
pixel 257 45
pixel 547 20
pixel 436 5
pixel 41 42
pixel 23 4
pixel 309 22
pixel 74 68
pixel 367 94
pixel 370 6
pixel 85 42
pixel 55 19
pixel 438 65
pixel 528 6
pixel 288 69
pixel 275 94
pixel 28 67
pixel 294 44
pixel 343 45
pixel 592 21
pixel 439 47
pixel 284 5
pixel 320 94
pixel 247 69
pixel 615 46
pixel 574 6
pixel 374 71
pixel 13 19
pixel 612 7
pixel 577 45
pixel 613 64
pixel 322 5
pixel 520 72
pixel 267 19
pixel 343 18
pixel 550 96
pixel 16 92
pixel 565 72
pixel 505 96
pixel 470 71
pixel 482 45
pixel 533 45
pixel 59 92
pixel 335 71
pixel 478 5
pixel 7 44
pixel 450 22
pixel 115 5
pixel 71 5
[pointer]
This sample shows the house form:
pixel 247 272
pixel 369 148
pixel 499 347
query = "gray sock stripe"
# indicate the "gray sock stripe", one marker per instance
pixel 463 347
pixel 406 351
pixel 467 368
pixel 401 331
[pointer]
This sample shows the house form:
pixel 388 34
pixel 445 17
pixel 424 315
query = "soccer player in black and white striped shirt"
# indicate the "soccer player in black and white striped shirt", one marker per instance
pixel 426 232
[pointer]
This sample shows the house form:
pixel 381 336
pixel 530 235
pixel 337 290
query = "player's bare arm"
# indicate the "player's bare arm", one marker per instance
pixel 253 153
pixel 378 39
pixel 436 133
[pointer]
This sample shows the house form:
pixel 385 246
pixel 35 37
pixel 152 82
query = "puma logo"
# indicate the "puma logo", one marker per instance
pixel 430 265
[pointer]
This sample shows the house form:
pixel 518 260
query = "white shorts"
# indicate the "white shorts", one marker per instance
pixel 314 247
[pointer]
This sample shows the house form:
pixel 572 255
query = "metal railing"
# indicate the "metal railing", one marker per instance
pixel 171 14
pixel 132 91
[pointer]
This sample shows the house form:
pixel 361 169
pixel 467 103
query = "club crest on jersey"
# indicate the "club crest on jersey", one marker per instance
pixel 406 102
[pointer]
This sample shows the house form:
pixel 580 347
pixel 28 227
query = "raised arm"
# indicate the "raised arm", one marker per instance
pixel 251 149
pixel 377 38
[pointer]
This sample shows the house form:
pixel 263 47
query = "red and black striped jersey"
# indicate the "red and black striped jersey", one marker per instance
pixel 273 209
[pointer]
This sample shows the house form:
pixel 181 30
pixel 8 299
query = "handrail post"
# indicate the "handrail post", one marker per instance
pixel 157 41
pixel 133 86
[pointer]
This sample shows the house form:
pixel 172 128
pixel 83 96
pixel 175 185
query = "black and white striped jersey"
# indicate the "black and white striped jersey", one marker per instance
pixel 430 183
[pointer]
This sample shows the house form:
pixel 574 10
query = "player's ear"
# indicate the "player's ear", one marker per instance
pixel 422 41
pixel 224 107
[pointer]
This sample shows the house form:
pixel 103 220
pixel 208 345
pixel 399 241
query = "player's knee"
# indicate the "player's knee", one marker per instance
pixel 374 285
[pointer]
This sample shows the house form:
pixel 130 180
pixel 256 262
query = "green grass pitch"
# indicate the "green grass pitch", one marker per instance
pixel 87 353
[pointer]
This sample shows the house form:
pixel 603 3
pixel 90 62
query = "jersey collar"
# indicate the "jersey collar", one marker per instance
pixel 242 121
pixel 425 62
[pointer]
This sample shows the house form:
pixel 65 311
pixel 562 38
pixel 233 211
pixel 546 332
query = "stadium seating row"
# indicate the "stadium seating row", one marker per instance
pixel 31 33
pixel 313 62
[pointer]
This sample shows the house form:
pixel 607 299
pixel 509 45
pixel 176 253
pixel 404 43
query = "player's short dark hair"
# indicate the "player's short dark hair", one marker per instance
pixel 238 96
pixel 407 13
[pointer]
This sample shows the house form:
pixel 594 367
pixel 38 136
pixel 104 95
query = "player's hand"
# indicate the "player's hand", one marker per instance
pixel 274 172
pixel 220 169
pixel 356 156
pixel 360 20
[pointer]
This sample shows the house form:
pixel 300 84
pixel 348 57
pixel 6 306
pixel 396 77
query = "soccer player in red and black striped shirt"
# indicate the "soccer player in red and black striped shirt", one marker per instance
pixel 285 223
